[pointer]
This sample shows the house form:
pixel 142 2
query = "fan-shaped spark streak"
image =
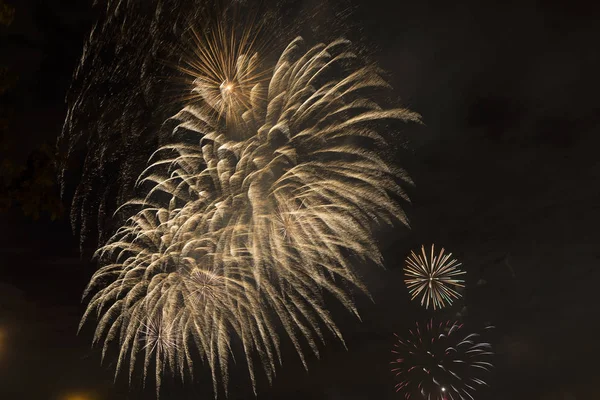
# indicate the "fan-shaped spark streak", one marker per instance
pixel 246 229
pixel 433 277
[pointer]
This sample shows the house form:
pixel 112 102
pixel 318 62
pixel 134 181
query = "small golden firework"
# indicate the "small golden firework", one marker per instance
pixel 225 70
pixel 433 278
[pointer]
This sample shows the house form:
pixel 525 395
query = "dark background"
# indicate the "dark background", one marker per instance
pixel 507 178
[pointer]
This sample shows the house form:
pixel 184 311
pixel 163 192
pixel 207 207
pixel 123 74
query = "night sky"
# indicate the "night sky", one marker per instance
pixel 507 177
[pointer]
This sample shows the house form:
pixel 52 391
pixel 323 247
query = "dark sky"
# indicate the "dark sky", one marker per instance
pixel 507 177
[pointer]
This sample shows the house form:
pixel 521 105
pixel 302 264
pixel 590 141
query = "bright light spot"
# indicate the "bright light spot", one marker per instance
pixel 227 86
pixel 78 396
pixel 443 389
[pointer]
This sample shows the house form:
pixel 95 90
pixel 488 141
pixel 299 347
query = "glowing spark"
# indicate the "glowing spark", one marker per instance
pixel 433 277
pixel 439 361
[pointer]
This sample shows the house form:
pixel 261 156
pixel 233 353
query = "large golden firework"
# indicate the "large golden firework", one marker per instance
pixel 433 277
pixel 242 231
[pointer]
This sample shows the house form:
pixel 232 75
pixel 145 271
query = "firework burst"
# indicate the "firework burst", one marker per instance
pixel 159 336
pixel 249 225
pixel 433 277
pixel 169 301
pixel 225 70
pixel 440 362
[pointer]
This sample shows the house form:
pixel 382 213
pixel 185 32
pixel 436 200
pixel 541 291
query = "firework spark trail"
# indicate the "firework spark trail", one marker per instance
pixel 244 230
pixel 110 115
pixel 433 277
pixel 171 282
pixel 440 362
pixel 118 102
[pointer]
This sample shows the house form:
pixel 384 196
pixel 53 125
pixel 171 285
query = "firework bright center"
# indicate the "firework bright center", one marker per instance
pixel 227 87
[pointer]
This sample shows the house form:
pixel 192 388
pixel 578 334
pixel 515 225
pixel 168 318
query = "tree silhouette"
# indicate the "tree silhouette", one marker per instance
pixel 29 185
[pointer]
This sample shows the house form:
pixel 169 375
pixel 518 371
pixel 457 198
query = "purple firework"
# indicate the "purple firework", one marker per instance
pixel 440 362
